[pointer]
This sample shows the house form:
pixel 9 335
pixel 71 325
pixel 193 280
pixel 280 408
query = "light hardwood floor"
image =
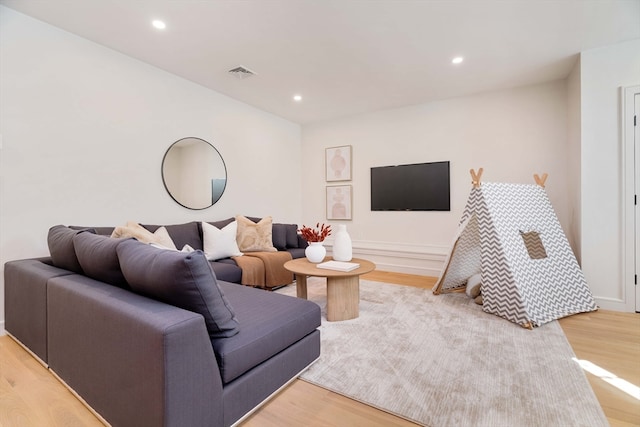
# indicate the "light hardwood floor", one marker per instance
pixel 31 396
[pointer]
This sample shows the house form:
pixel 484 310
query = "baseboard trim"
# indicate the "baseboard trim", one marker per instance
pixel 422 260
pixel 406 269
pixel 613 304
pixel 3 331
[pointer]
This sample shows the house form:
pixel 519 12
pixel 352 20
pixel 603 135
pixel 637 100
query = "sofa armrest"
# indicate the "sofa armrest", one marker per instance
pixel 134 360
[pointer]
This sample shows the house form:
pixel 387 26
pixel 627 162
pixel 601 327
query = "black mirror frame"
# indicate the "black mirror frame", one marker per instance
pixel 164 182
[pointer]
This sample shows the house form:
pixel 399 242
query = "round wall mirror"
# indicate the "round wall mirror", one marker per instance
pixel 194 173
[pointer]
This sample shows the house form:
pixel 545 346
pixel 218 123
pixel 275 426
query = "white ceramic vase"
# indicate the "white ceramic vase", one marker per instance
pixel 342 249
pixel 315 252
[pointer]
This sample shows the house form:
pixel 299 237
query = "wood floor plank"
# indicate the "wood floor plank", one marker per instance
pixel 611 341
pixel 309 405
pixel 31 396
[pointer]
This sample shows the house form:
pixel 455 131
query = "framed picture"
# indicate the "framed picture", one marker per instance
pixel 339 202
pixel 338 163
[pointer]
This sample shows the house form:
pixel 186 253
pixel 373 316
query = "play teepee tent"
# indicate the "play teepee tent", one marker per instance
pixel 510 234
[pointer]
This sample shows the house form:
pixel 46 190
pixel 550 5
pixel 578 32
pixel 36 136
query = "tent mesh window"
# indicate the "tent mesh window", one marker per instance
pixel 533 244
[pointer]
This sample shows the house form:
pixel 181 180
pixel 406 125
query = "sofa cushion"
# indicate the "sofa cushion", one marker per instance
pixel 279 236
pixel 222 223
pixel 220 243
pixel 269 323
pixel 255 237
pixel 104 231
pixel 182 234
pixel 98 258
pixel 226 270
pixel 292 235
pixel 296 252
pixel 185 280
pixel 63 254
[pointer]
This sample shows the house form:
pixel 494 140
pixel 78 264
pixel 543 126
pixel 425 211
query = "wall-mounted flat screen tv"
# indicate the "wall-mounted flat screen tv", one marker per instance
pixel 415 187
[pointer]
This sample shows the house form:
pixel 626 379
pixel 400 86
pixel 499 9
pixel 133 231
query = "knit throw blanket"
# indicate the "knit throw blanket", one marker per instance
pixel 264 269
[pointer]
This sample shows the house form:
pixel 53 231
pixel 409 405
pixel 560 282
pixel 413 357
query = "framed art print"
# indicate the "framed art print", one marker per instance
pixel 338 163
pixel 339 202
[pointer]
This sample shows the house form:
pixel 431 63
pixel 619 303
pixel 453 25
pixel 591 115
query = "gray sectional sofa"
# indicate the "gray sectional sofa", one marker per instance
pixel 150 337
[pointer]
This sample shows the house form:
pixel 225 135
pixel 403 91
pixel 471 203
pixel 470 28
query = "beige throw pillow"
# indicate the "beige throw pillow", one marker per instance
pixel 254 237
pixel 133 229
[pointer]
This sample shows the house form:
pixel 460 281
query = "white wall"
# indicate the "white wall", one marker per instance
pixel 512 134
pixel 604 72
pixel 84 130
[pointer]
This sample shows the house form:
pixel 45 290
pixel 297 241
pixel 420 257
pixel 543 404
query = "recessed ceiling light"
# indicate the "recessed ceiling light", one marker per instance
pixel 160 25
pixel 297 98
pixel 457 60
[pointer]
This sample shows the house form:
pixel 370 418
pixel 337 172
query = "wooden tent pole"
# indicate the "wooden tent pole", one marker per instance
pixel 475 177
pixel 540 181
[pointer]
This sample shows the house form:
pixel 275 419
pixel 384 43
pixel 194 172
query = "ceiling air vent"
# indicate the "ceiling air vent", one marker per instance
pixel 241 72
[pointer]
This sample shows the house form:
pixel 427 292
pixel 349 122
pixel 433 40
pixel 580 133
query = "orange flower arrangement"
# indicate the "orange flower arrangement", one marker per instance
pixel 317 234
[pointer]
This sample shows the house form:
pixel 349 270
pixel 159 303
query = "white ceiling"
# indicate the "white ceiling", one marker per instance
pixel 349 56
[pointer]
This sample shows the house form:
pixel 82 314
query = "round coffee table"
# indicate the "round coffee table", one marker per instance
pixel 343 287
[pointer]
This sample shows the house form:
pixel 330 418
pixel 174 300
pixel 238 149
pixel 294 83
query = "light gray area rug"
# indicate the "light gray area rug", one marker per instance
pixel 441 361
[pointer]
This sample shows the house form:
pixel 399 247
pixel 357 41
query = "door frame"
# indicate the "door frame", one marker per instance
pixel 629 224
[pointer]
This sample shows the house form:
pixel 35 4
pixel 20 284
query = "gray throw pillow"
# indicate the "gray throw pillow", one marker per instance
pixel 103 231
pixel 292 235
pixel 222 223
pixel 98 258
pixel 279 236
pixel 63 254
pixel 184 280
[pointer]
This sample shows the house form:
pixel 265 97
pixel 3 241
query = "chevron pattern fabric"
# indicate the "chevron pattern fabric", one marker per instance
pixel 464 259
pixel 526 290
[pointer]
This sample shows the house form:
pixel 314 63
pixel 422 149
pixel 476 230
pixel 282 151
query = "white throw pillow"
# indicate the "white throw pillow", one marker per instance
pixel 185 248
pixel 220 243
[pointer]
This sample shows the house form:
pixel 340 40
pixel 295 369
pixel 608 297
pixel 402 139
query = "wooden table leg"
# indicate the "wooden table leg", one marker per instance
pixel 301 286
pixel 343 298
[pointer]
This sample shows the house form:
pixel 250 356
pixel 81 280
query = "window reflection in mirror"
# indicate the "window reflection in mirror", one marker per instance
pixel 194 173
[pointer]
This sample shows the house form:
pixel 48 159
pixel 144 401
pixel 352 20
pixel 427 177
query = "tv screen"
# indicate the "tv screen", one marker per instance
pixel 416 187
